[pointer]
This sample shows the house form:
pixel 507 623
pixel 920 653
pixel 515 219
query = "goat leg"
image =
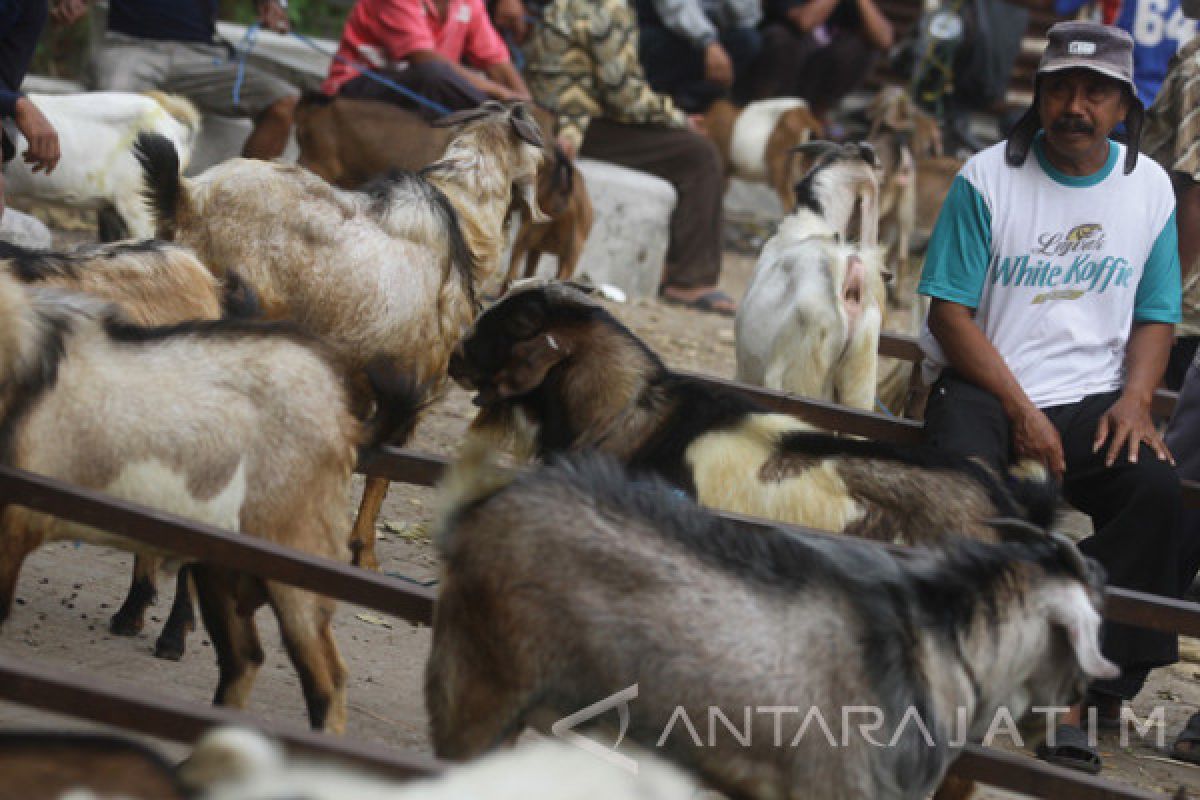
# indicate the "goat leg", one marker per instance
pixel 362 537
pixel 172 642
pixel 131 616
pixel 16 542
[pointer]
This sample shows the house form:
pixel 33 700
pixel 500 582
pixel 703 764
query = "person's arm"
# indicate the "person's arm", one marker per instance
pixel 809 15
pixel 611 39
pixel 273 15
pixel 1128 422
pixel 956 266
pixel 23 26
pixel 686 18
pixel 67 12
pixel 506 75
pixel 876 27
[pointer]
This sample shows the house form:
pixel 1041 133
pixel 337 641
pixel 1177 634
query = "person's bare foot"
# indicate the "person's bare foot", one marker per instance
pixel 700 298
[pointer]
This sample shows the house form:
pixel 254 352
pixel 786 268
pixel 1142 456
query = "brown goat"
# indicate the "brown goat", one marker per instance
pixel 388 275
pixel 349 141
pixel 153 283
pixel 38 765
pixel 556 372
pixel 756 142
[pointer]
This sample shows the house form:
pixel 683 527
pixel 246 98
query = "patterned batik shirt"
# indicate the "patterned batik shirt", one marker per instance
pixel 581 62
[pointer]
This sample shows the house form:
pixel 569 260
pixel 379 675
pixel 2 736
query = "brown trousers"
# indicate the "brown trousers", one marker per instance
pixel 691 164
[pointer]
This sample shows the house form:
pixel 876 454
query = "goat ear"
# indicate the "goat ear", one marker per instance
pixel 1074 612
pixel 528 363
pixel 525 127
pixel 868 154
pixel 462 117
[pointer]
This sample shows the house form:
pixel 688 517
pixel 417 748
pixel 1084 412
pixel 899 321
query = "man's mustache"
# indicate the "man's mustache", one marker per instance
pixel 1072 125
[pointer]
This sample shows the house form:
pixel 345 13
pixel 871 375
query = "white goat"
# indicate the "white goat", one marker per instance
pixel 97 171
pixel 238 764
pixel 388 274
pixel 810 320
pixel 245 426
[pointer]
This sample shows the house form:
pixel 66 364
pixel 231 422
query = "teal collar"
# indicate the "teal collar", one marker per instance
pixel 1075 181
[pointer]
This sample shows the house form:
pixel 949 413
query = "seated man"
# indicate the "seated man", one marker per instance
pixel 582 64
pixel 818 49
pixel 420 45
pixel 1054 279
pixel 172 45
pixel 694 50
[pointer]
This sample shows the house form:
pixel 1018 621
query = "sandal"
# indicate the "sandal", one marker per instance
pixel 713 301
pixel 1190 736
pixel 1071 750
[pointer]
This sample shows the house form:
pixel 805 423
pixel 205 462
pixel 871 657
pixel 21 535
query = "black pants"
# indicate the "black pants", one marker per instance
pixel 1182 354
pixel 674 67
pixel 433 80
pixel 794 64
pixel 1135 508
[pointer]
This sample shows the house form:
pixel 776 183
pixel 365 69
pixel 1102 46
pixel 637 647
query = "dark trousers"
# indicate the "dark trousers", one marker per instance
pixel 1182 353
pixel 794 64
pixel 1135 508
pixel 674 67
pixel 690 163
pixel 1183 438
pixel 432 80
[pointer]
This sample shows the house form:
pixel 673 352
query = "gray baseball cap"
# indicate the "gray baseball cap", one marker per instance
pixel 1091 46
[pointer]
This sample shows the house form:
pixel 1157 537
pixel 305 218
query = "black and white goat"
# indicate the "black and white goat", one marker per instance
pixel 809 323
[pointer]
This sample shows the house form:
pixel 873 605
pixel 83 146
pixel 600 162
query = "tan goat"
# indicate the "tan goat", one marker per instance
pixel 388 275
pixel 245 426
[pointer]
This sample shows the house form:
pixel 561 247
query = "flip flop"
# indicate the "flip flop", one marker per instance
pixel 1071 750
pixel 713 301
pixel 1190 735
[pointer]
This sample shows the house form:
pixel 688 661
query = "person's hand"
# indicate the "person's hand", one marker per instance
pixel 1035 437
pixel 43 151
pixel 718 68
pixel 510 16
pixel 1126 425
pixel 273 16
pixel 696 124
pixel 66 12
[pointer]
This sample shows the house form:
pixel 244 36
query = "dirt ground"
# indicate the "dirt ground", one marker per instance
pixel 67 593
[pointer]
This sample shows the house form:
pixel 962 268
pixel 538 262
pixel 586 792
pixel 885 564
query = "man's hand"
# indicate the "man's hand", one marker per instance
pixel 1126 425
pixel 697 124
pixel 66 12
pixel 1034 436
pixel 273 16
pixel 43 151
pixel 510 16
pixel 718 68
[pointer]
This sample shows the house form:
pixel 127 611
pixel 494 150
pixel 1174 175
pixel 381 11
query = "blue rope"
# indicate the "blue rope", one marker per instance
pixel 243 54
pixel 375 76
pixel 884 408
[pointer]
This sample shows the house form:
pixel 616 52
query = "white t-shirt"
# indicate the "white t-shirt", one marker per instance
pixel 1057 267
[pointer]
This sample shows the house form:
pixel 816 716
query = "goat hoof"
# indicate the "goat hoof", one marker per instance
pixel 169 649
pixel 125 624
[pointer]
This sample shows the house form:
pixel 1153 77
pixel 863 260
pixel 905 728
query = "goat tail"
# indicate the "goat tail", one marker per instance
pixel 1035 491
pixel 471 479
pixel 399 401
pixel 180 109
pixel 238 298
pixel 164 189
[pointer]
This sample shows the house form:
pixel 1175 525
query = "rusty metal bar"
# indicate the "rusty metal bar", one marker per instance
pixel 906 348
pixel 1025 775
pixel 88 697
pixel 238 551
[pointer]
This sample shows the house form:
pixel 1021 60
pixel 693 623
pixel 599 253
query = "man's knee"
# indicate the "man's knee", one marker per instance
pixel 1154 484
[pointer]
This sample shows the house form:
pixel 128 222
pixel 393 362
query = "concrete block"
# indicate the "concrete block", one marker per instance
pixel 628 244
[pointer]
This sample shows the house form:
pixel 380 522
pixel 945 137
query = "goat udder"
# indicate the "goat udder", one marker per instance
pixel 854 288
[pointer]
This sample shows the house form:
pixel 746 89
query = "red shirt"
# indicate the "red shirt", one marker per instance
pixel 381 33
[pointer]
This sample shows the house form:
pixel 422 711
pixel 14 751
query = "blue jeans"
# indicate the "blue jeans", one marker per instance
pixel 676 68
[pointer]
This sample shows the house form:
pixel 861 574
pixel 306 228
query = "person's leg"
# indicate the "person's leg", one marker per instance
pixel 743 46
pixel 433 80
pixel 1182 354
pixel 206 75
pixel 673 67
pixel 690 163
pixel 128 64
pixel 962 418
pixel 834 70
pixel 1136 512
pixel 781 57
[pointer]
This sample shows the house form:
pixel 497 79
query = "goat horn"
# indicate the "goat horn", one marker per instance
pixel 1071 554
pixel 460 117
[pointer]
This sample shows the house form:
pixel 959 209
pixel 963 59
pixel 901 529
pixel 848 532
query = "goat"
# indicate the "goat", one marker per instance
pixel 569 586
pixel 153 283
pixel 242 425
pixel 809 322
pixel 554 371
pixel 43 764
pixel 755 142
pixel 237 764
pixel 348 142
pixel 98 171
pixel 388 275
